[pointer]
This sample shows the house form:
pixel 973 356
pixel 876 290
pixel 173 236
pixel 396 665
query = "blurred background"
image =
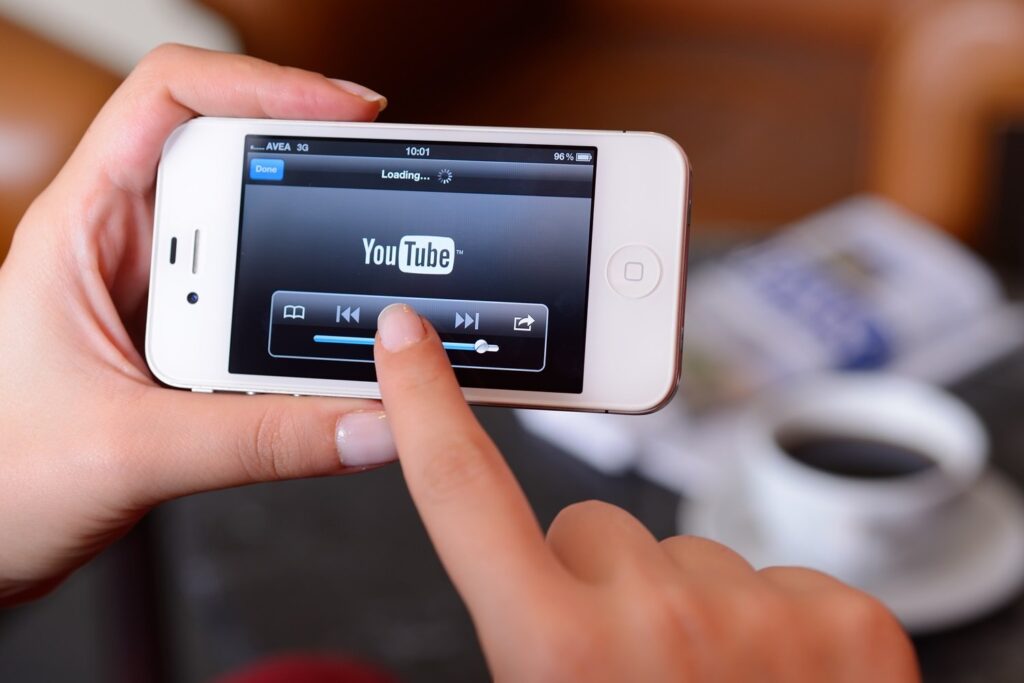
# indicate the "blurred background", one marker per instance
pixel 787 110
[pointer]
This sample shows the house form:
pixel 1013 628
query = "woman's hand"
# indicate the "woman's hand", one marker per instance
pixel 89 441
pixel 600 599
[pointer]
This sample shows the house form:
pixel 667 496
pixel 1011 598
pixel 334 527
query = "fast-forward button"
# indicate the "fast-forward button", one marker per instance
pixel 467 321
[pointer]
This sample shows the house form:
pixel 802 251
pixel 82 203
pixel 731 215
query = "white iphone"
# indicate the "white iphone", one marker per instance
pixel 551 262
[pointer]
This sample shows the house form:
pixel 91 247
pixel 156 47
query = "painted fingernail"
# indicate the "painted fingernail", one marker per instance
pixel 400 327
pixel 364 438
pixel 362 91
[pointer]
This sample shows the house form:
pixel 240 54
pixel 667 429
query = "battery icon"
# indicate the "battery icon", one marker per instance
pixel 584 156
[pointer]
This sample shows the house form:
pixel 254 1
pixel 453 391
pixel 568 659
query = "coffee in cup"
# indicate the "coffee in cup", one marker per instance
pixel 854 456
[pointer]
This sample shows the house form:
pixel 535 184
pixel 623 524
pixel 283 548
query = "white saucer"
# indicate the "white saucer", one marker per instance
pixel 978 568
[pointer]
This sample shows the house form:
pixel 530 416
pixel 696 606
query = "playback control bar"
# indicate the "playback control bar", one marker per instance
pixel 491 335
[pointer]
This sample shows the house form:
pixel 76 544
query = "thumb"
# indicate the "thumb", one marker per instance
pixel 186 443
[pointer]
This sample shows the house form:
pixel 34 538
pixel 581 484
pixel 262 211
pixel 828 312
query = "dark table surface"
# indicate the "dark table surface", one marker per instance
pixel 343 565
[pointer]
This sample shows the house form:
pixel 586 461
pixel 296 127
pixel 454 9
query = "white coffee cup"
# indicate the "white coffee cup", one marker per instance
pixel 849 526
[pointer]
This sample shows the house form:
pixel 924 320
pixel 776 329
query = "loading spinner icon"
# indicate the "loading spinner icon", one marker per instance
pixel 445 176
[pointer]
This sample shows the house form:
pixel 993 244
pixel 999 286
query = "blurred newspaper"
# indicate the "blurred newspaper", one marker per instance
pixel 863 285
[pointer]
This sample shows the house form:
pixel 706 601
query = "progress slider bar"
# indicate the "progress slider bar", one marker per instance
pixel 480 345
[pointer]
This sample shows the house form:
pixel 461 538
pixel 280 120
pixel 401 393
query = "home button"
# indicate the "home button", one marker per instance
pixel 634 271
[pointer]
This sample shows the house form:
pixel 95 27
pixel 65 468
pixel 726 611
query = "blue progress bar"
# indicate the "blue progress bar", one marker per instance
pixel 331 339
pixel 368 341
pixel 458 346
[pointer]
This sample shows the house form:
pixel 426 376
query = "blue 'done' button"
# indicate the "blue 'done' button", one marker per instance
pixel 266 169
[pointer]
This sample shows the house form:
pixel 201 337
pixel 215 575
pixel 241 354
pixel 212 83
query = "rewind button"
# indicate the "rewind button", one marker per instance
pixel 349 314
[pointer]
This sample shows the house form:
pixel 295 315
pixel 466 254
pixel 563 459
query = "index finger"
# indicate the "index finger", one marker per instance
pixel 477 516
pixel 174 83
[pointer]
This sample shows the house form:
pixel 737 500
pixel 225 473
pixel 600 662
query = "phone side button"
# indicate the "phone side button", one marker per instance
pixel 634 271
pixel 202 391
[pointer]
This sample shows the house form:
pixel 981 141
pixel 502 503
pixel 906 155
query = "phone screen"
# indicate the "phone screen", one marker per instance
pixel 491 243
